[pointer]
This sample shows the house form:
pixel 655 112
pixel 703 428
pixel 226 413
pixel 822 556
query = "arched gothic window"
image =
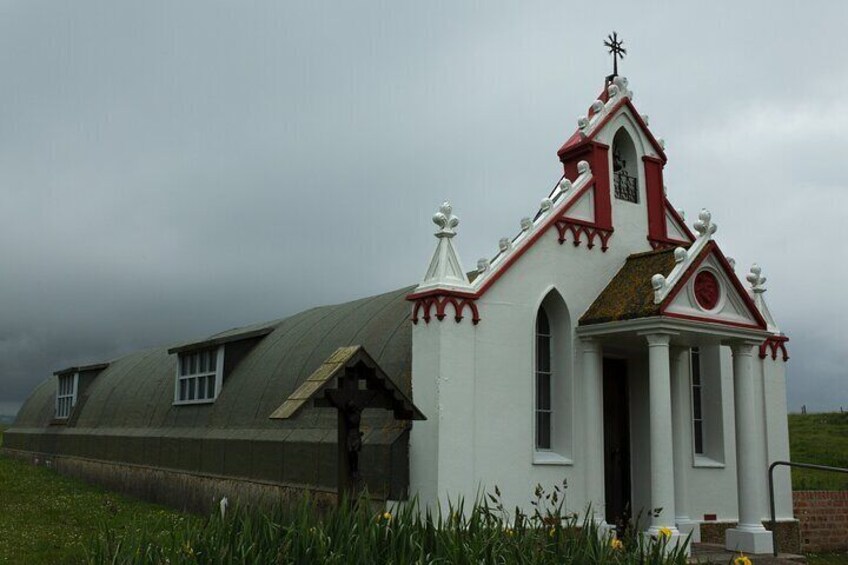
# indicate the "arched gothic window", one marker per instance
pixel 552 382
pixel 624 167
pixel 543 380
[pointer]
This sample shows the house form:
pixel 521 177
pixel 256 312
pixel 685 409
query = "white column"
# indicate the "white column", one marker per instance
pixel 593 386
pixel 662 452
pixel 750 535
pixel 682 417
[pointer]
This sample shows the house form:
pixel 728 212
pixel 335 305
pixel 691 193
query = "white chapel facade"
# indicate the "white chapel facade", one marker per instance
pixel 607 344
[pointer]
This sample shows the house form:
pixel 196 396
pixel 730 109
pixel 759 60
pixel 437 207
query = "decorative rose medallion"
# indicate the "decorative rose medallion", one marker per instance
pixel 706 290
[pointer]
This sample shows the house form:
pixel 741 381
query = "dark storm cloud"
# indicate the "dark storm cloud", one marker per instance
pixel 171 170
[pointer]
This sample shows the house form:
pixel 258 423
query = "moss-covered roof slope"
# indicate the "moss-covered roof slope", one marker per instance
pixel 629 294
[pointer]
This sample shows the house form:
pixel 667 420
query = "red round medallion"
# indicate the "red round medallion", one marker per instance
pixel 706 290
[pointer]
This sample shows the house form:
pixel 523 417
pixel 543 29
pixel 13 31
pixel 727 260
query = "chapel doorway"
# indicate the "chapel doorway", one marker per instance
pixel 616 442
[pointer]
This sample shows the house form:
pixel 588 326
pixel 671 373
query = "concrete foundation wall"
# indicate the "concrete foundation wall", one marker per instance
pixel 178 489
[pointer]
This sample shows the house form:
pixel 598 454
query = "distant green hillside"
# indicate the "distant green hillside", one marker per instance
pixel 821 439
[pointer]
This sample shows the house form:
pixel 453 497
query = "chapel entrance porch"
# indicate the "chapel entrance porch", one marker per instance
pixel 654 356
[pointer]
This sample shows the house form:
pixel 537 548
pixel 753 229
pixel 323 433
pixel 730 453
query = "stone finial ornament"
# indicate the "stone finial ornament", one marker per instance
pixel 505 244
pixel 526 224
pixel 445 269
pixel 597 106
pixel 757 280
pixel 446 221
pixel 705 226
pixel 658 283
pixel 645 119
pixel 661 143
pixel 565 184
pixel 583 167
pixel 682 213
pixel 582 122
pixel 680 254
pixel 482 265
pixel 732 262
pixel 545 205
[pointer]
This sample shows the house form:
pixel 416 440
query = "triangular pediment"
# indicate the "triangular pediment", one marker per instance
pixel 710 291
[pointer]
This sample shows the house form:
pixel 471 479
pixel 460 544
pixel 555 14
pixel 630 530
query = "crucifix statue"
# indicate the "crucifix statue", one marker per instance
pixel 616 48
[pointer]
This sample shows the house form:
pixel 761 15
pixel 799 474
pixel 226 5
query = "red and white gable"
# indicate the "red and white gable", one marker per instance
pixel 704 287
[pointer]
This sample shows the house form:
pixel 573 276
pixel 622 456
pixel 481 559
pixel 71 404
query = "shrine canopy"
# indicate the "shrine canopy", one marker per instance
pixel 375 389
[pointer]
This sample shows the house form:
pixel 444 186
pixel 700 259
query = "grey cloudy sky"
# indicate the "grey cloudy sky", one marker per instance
pixel 169 170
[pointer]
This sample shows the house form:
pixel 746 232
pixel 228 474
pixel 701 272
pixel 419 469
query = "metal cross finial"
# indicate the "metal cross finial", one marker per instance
pixel 618 52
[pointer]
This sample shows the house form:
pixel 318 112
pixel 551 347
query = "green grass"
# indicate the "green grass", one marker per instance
pixel 47 518
pixel 821 439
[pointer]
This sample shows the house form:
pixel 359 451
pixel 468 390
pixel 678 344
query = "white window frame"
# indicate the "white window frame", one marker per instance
pixel 697 391
pixel 539 375
pixel 66 401
pixel 192 379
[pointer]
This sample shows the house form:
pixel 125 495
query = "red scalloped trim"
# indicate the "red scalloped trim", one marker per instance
pixel 667 243
pixel 578 229
pixel 425 304
pixel 774 344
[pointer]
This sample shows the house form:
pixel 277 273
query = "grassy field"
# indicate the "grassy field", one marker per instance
pixel 47 518
pixel 821 439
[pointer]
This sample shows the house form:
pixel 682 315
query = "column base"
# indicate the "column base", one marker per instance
pixel 690 528
pixel 750 539
pixel 674 540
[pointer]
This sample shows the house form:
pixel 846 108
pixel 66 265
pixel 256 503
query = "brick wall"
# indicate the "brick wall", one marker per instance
pixel 824 519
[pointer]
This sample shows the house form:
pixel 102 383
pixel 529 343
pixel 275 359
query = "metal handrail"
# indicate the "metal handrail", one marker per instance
pixel 771 488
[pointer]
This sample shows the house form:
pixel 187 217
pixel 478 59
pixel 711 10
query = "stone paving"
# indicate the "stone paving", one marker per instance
pixel 715 553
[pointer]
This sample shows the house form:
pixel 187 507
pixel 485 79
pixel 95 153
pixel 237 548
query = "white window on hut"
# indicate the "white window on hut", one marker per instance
pixel 199 376
pixel 66 394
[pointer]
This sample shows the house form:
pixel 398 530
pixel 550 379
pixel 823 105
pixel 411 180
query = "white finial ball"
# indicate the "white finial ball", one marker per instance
pixel 504 244
pixel 483 265
pixel 612 91
pixel 582 122
pixel 597 106
pixel 545 205
pixel 645 119
pixel 680 254
pixel 732 262
pixel 565 184
pixel 661 141
pixel 583 167
pixel 526 223
pixel 658 282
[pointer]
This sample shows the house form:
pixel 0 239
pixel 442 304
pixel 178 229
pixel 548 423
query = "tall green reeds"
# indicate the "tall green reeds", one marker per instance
pixel 355 533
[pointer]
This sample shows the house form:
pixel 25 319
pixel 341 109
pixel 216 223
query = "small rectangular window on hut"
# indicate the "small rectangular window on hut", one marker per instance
pixel 66 394
pixel 199 375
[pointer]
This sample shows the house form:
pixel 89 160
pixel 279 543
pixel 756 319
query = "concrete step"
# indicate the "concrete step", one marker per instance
pixel 715 553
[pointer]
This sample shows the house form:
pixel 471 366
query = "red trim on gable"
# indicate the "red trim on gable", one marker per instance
pixel 573 144
pixel 710 320
pixel 597 155
pixel 578 228
pixel 678 219
pixel 441 301
pixel 655 198
pixel 712 248
pixel 774 343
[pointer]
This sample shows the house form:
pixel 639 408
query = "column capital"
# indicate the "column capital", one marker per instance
pixel 743 348
pixel 658 337
pixel 589 343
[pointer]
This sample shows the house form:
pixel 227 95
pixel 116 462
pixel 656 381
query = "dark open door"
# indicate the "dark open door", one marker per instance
pixel 616 441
